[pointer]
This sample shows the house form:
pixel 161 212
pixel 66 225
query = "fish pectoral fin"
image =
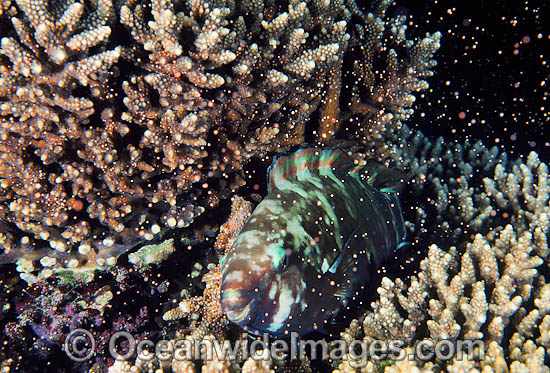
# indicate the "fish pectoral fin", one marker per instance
pixel 402 244
pixel 344 292
pixel 351 267
pixel 345 253
pixel 349 279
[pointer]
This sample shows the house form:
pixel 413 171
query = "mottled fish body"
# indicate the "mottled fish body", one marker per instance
pixel 306 248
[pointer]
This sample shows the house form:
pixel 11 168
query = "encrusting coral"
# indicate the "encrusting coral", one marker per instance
pixel 120 120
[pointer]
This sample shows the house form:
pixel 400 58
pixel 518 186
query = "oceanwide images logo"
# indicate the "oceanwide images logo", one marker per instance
pixel 80 346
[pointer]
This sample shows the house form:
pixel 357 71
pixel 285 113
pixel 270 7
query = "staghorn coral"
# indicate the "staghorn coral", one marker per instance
pixel 485 286
pixel 55 74
pixel 109 139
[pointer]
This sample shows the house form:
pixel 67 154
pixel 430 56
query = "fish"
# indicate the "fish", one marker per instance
pixel 307 247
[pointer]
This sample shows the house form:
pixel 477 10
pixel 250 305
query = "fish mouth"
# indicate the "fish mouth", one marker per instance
pixel 238 306
pixel 239 316
pixel 241 297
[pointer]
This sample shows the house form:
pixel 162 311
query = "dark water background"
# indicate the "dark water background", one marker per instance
pixel 493 76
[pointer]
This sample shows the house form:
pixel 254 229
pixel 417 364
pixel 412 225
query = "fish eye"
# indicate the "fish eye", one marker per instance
pixel 281 260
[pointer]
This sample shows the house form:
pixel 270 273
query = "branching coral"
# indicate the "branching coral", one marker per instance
pixel 119 121
pixel 48 138
pixel 382 95
pixel 487 287
pixel 238 78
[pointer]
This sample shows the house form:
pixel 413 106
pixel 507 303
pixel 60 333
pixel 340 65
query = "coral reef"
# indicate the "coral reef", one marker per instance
pixel 49 62
pixel 488 286
pixel 120 120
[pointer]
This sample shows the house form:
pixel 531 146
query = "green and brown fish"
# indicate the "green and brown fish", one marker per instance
pixel 306 248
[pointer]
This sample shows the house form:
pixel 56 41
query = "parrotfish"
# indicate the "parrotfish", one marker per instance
pixel 307 248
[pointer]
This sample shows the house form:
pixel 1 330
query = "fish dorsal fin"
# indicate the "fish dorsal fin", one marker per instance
pixel 304 162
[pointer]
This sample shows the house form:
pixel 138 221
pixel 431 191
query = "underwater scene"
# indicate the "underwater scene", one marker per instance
pixel 274 186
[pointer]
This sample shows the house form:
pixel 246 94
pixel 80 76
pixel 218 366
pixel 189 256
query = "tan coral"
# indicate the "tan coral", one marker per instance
pixel 210 86
pixel 490 280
